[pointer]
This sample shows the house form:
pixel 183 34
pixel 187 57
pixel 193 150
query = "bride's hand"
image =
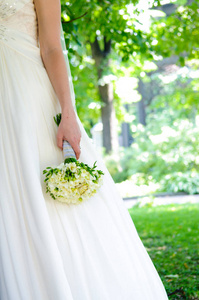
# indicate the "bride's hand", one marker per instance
pixel 69 130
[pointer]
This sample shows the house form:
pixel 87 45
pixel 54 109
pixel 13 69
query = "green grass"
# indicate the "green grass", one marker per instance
pixel 170 234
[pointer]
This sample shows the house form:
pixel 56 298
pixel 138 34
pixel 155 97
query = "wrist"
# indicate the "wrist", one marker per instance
pixel 67 110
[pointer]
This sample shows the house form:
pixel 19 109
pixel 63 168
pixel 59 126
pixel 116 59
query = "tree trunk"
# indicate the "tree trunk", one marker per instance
pixel 110 137
pixel 141 103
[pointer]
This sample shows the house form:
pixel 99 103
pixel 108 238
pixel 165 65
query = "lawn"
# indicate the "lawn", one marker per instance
pixel 170 234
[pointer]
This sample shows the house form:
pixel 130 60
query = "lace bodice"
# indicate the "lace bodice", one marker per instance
pixel 18 15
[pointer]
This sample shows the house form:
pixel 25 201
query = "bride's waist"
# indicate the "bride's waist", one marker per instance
pixel 21 42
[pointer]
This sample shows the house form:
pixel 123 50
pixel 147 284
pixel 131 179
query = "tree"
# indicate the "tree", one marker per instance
pixel 173 38
pixel 106 26
pixel 112 27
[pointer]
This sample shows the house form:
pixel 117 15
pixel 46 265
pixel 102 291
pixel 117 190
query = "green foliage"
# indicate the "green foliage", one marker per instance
pixel 169 162
pixel 113 164
pixel 107 19
pixel 169 158
pixel 177 33
pixel 165 152
pixel 57 119
pixel 118 22
pixel 170 235
pixel 88 103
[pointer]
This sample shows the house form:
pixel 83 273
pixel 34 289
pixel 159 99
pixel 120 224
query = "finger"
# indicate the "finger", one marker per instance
pixel 77 151
pixel 60 142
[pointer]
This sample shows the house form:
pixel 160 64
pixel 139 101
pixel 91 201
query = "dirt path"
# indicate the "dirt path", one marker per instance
pixel 163 200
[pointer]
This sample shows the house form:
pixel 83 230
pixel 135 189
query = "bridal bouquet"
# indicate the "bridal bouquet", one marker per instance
pixel 72 181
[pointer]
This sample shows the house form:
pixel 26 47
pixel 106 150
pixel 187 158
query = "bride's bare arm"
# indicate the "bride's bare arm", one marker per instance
pixel 49 18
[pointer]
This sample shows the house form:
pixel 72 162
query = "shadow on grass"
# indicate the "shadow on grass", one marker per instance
pixel 170 235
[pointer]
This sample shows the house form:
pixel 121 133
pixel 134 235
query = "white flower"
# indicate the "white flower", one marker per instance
pixel 73 191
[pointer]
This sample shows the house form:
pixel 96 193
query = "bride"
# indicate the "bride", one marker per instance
pixel 50 250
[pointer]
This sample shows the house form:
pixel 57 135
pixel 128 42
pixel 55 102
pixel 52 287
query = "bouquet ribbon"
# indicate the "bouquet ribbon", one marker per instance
pixel 68 150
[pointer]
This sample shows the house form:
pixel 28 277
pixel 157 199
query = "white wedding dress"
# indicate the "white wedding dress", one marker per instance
pixel 50 250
